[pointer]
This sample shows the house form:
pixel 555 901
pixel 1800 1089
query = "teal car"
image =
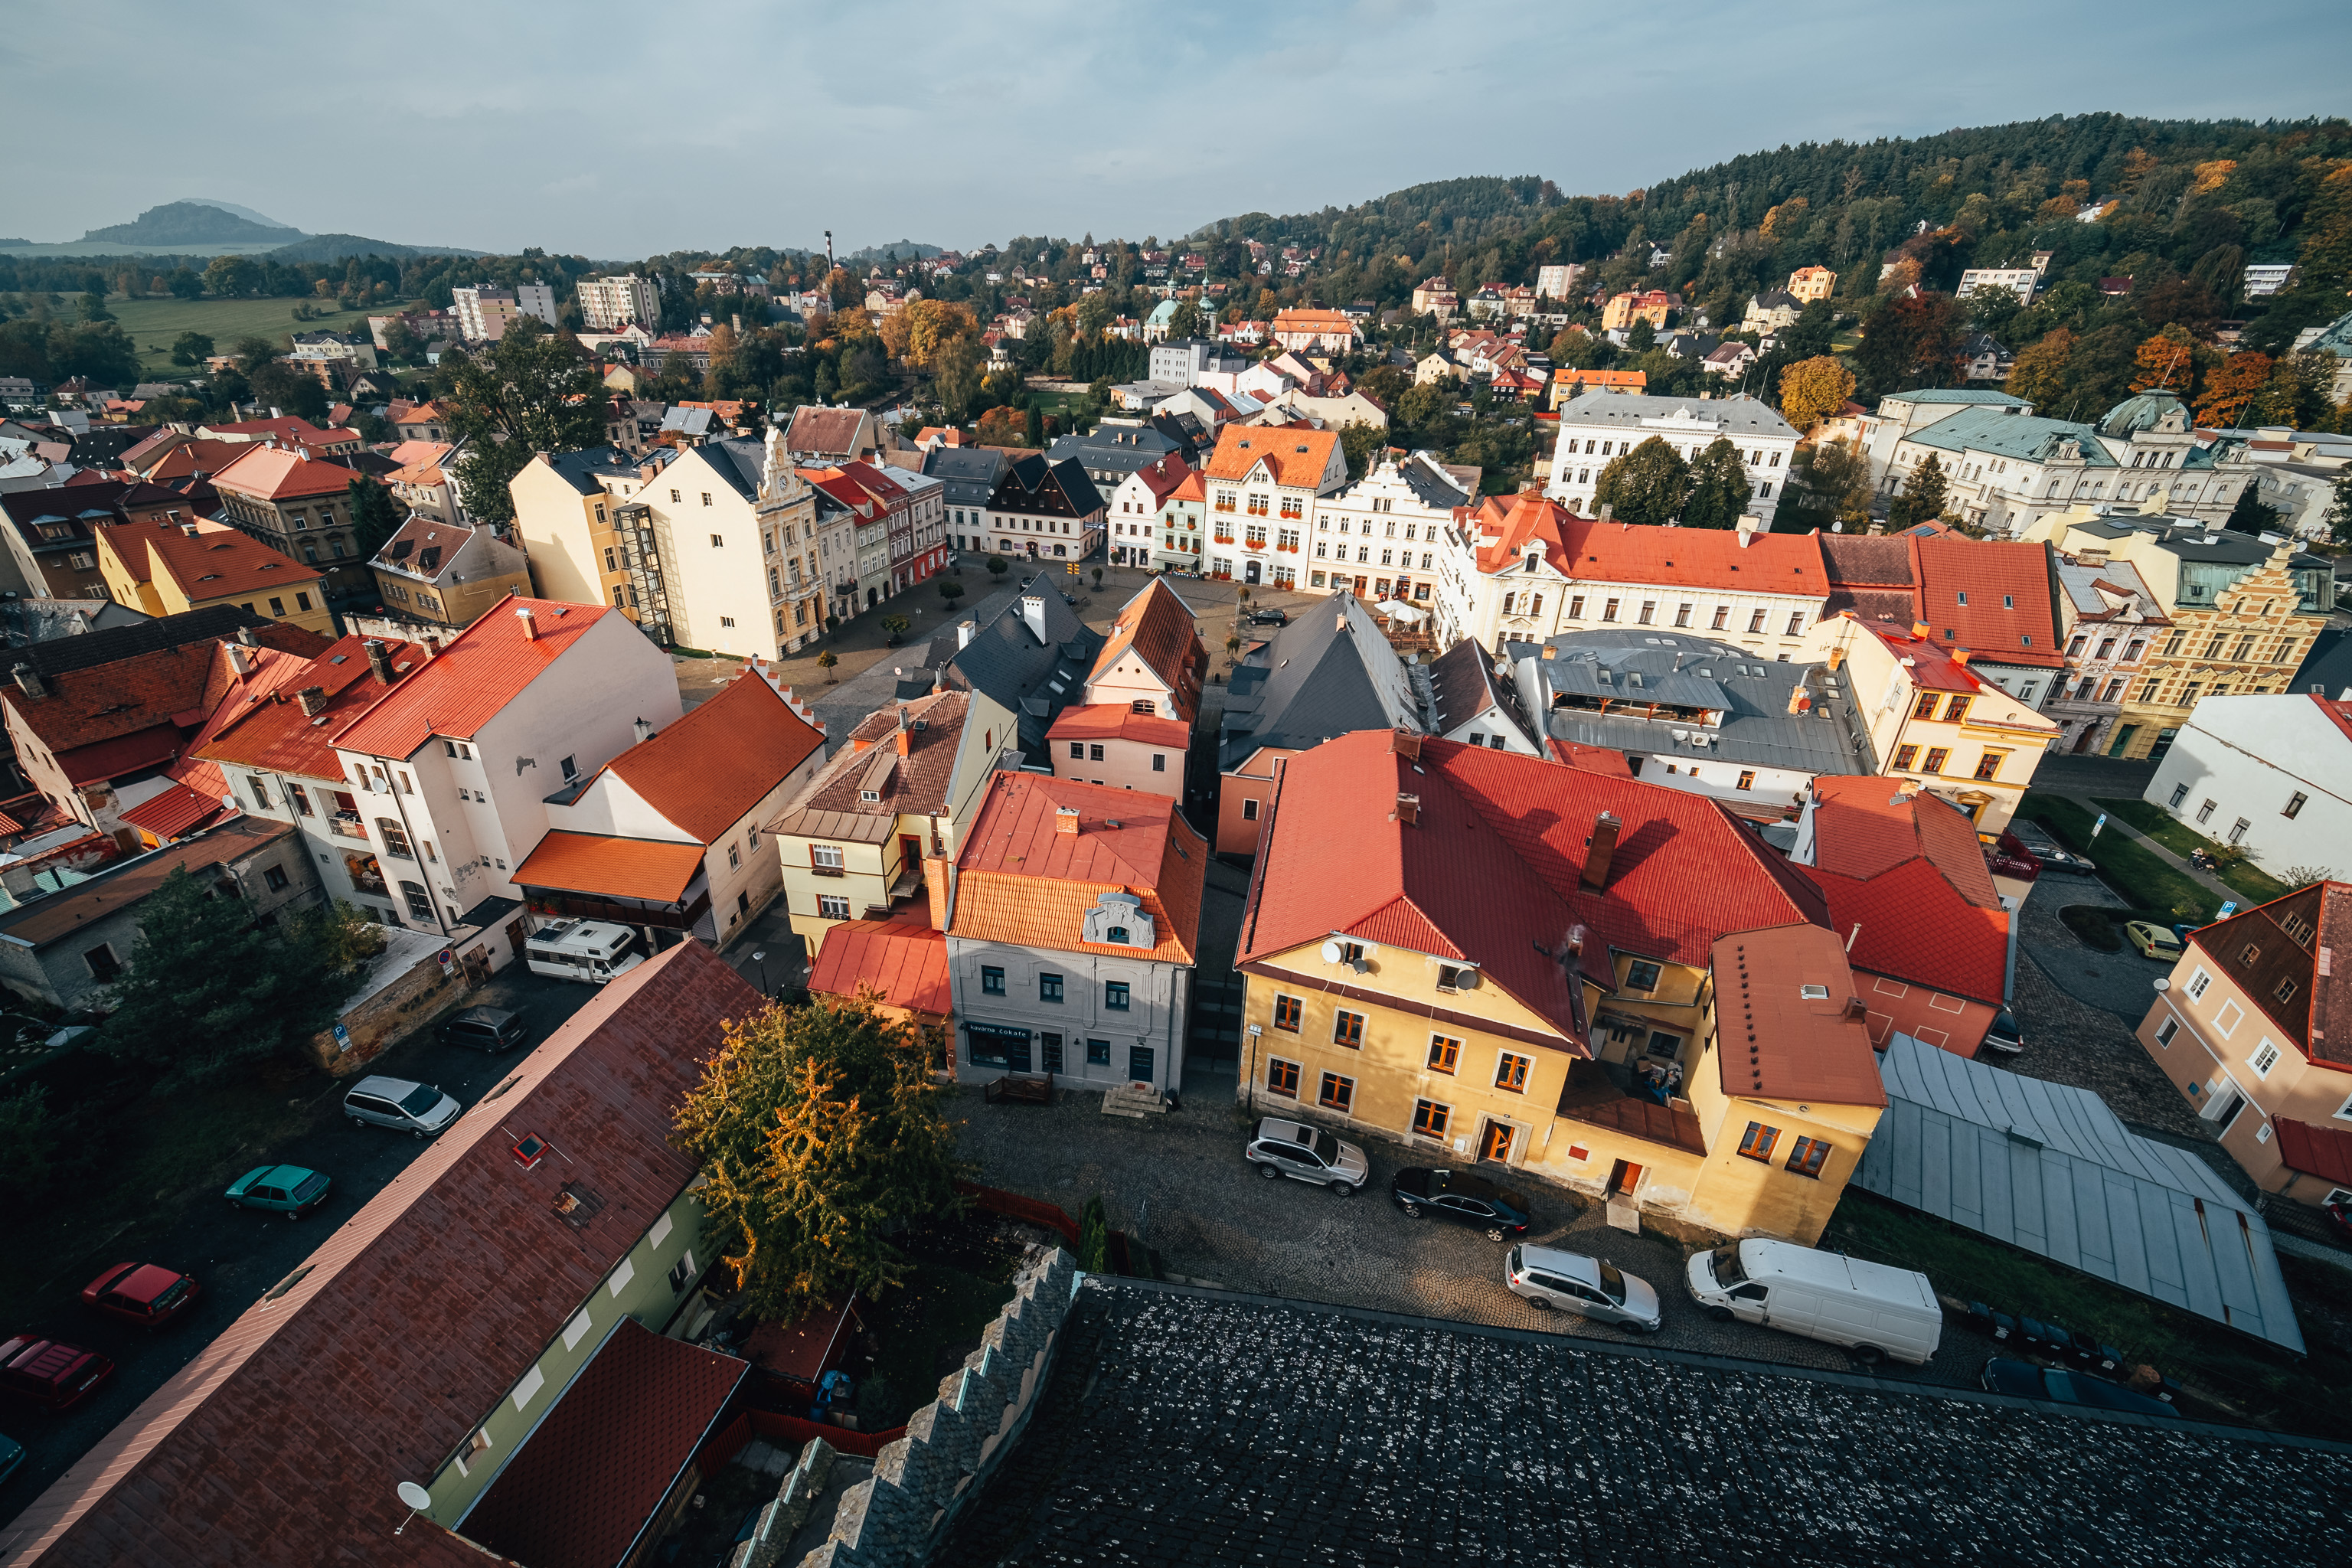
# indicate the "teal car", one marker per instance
pixel 12 1453
pixel 288 1189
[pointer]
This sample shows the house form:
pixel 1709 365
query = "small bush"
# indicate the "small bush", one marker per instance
pixel 1094 1237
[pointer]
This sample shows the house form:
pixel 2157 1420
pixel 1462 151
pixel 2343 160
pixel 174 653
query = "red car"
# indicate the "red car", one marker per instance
pixel 141 1293
pixel 51 1376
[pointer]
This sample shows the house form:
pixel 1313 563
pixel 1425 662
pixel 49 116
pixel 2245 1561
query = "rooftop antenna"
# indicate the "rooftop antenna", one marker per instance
pixel 417 1498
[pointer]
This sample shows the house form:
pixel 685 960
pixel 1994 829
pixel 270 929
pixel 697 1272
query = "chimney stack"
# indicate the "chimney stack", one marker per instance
pixel 29 681
pixel 313 699
pixel 1408 809
pixel 1960 656
pixel 645 731
pixel 1406 743
pixel 1749 526
pixel 963 633
pixel 1033 612
pixel 245 635
pixel 379 660
pixel 240 660
pixel 1600 849
pixel 1918 631
pixel 529 623
pixel 906 733
pixel 1836 657
pixel 1065 820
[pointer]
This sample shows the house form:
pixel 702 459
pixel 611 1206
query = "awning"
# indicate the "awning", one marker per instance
pixel 649 870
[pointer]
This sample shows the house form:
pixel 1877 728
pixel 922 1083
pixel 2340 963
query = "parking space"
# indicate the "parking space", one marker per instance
pixel 237 1254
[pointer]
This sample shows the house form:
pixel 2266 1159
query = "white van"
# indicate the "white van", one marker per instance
pixel 592 951
pixel 1873 1310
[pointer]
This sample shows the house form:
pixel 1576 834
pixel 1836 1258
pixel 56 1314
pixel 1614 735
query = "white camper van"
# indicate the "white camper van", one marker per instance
pixel 1873 1310
pixel 592 951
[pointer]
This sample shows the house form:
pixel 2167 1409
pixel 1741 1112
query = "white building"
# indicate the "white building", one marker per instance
pixel 1557 282
pixel 2019 280
pixel 708 552
pixel 1262 484
pixel 2271 776
pixel 1389 525
pixel 484 314
pixel 1598 427
pixel 609 303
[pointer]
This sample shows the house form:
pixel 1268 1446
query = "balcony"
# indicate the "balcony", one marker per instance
pixel 347 825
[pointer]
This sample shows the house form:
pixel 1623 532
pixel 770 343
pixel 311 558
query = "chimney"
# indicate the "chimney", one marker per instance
pixel 529 623
pixel 1918 631
pixel 963 633
pixel 1960 656
pixel 1800 700
pixel 1749 526
pixel 1837 658
pixel 645 731
pixel 29 681
pixel 244 635
pixel 1032 611
pixel 935 882
pixel 240 660
pixel 1406 743
pixel 313 699
pixel 1854 1007
pixel 906 733
pixel 379 660
pixel 191 530
pixel 1598 850
pixel 1065 820
pixel 1408 808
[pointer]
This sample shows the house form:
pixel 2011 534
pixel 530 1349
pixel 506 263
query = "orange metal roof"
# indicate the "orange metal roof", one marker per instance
pixel 721 759
pixel 482 669
pixel 1157 626
pixel 1105 721
pixel 1023 880
pixel 274 473
pixel 1776 1041
pixel 268 730
pixel 905 964
pixel 649 870
pixel 1297 457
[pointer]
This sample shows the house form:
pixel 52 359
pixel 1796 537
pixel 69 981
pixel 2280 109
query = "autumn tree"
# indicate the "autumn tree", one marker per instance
pixel 2232 388
pixel 1909 342
pixel 2166 361
pixel 1647 484
pixel 1837 481
pixel 1718 487
pixel 932 325
pixel 2039 376
pixel 1813 389
pixel 1923 495
pixel 529 392
pixel 821 1132
pixel 2296 393
pixel 958 369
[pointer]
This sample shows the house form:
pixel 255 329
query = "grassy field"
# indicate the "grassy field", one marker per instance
pixel 2145 878
pixel 155 323
pixel 2181 838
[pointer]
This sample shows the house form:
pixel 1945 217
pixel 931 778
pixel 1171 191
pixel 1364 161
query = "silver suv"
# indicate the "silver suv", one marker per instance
pixel 1306 1154
pixel 395 1103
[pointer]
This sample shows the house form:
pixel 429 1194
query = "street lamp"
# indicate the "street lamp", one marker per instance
pixel 761 959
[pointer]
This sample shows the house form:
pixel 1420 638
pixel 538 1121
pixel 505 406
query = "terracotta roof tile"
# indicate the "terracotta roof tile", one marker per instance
pixel 721 759
pixel 266 729
pixel 1529 520
pixel 655 870
pixel 1157 626
pixel 1777 1042
pixel 1104 721
pixel 1297 457
pixel 273 473
pixel 1992 597
pixel 1864 825
pixel 1698 558
pixel 917 782
pixel 216 562
pixel 482 669
pixel 907 965
pixel 1022 880
pixel 178 811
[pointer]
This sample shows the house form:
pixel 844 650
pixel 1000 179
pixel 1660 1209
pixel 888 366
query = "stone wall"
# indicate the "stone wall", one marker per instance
pixel 402 996
pixel 922 1481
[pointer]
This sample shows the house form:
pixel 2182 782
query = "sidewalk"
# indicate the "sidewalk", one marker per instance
pixel 2210 883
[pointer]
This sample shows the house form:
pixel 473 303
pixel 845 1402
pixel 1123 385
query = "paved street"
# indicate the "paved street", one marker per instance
pixel 238 1254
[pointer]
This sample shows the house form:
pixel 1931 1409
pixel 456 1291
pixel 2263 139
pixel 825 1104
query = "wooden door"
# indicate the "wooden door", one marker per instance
pixel 1495 1141
pixel 1624 1177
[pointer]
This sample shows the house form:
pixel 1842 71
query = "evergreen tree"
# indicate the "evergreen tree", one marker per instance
pixel 375 516
pixel 529 392
pixel 1718 487
pixel 1923 495
pixel 1647 484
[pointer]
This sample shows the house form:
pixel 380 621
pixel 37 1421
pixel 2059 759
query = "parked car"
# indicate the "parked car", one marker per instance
pixel 483 1029
pixel 2003 1036
pixel 2053 859
pixel 1292 1149
pixel 50 1373
pixel 1268 618
pixel 2339 1217
pixel 2026 1381
pixel 405 1106
pixel 2152 940
pixel 12 1453
pixel 1423 1190
pixel 143 1293
pixel 292 1190
pixel 1873 1310
pixel 1548 1277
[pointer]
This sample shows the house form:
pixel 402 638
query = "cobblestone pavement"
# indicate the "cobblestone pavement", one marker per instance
pixel 1180 1179
pixel 2121 981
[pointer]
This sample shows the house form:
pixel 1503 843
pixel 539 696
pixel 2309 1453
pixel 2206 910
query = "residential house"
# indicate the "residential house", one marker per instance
pixel 1730 359
pixel 298 506
pixel 285 430
pixel 96 722
pixel 1652 306
pixel 1046 510
pixel 1021 666
pixel 2110 621
pixel 1262 486
pixel 1327 673
pixel 820 437
pixel 1568 383
pixel 1558 280
pixel 566 517
pixel 2258 773
pixel 1407 507
pixel 2243 610
pixel 1183 519
pixel 1325 412
pixel 1472 700
pixel 1692 713
pixel 1985 359
pixel 2020 281
pixel 1316 331
pixel 608 304
pixel 666 834
pixel 897 966
pixel 564 1186
pixel 1810 283
pixel 1136 512
pixel 452 769
pixel 1911 896
pixel 1995 599
pixel 1773 311
pixel 168 570
pixel 1134 719
pixel 2295 474
pixel 1435 297
pixel 1928 717
pixel 1072 926
pixel 857 510
pixel 425 480
pixel 792 545
pixel 2251 1026
pixel 1476 952
pixel 446 574
pixel 1597 426
pixel 1114 450
pixel 695 556
pixel 1119 747
pixel 967 478
pixel 52 535
pixel 1180 362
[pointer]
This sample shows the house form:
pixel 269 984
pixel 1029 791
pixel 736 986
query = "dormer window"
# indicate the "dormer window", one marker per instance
pixel 1116 934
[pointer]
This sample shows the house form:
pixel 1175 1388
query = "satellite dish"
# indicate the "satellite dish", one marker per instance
pixel 1330 953
pixel 1466 980
pixel 415 1496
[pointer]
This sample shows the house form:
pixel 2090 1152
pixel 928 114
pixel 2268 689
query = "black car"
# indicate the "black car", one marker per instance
pixel 2003 1034
pixel 2026 1381
pixel 483 1029
pixel 1424 1191
pixel 1268 618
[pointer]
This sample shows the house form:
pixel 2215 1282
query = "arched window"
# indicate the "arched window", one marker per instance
pixel 395 842
pixel 1116 934
pixel 420 902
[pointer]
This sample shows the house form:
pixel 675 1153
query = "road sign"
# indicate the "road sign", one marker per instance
pixel 2096 826
pixel 445 956
pixel 2228 910
pixel 342 1038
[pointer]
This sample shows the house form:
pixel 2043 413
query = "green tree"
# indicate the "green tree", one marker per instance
pixel 1184 321
pixel 375 516
pixel 191 349
pixel 1718 487
pixel 821 1132
pixel 950 590
pixel 1640 337
pixel 401 344
pixel 1923 495
pixel 232 277
pixel 997 566
pixel 30 1142
pixel 93 307
pixel 957 370
pixel 186 283
pixel 897 625
pixel 529 392
pixel 1647 484
pixel 209 991
pixel 1361 443
pixel 2338 516
pixel 1838 480
pixel 2251 514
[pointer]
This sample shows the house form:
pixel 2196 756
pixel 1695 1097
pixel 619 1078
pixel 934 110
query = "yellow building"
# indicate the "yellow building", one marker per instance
pixel 567 509
pixel 165 570
pixel 1491 957
pixel 2244 610
pixel 1810 283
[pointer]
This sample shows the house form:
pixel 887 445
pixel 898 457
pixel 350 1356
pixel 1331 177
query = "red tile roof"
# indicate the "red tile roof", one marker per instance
pixel 655 870
pixel 480 670
pixel 176 812
pixel 711 767
pixel 2009 587
pixel 247 1454
pixel 111 702
pixel 218 561
pixel 274 473
pixel 1698 558
pixel 2291 938
pixel 1120 720
pixel 1592 759
pixel 905 964
pixel 1908 924
pixel 284 428
pixel 824 430
pixel 1023 880
pixel 2323 1151
pixel 1524 521
pixel 2338 713
pixel 1864 825
pixel 1296 458
pixel 1930 667
pixel 1775 1042
pixel 268 730
pixel 588 1479
pixel 1162 477
pixel 1157 627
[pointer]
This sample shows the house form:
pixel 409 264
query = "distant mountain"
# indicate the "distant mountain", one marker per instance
pixel 906 249
pixel 189 223
pixel 264 219
pixel 337 247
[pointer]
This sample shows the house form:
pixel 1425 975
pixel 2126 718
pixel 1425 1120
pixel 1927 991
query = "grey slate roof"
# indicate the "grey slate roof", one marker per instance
pixel 210 623
pixel 1178 1426
pixel 1329 672
pixel 1615 410
pixel 2049 1168
pixel 580 469
pixel 740 459
pixel 1007 662
pixel 27 620
pixel 2327 666
pixel 968 476
pixel 1961 396
pixel 1750 691
pixel 1462 685
pixel 1116 450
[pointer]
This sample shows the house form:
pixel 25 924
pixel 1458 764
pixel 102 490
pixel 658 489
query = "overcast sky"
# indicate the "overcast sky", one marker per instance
pixel 624 130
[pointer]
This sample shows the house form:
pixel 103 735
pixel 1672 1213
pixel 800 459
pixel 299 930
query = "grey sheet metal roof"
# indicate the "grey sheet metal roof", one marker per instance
pixel 2049 1168
pixel 967 475
pixel 1463 684
pixel 1033 677
pixel 2026 437
pixel 1739 415
pixel 1329 672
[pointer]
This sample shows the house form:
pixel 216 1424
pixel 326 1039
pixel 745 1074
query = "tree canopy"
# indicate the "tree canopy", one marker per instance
pixel 1648 484
pixel 1718 487
pixel 529 392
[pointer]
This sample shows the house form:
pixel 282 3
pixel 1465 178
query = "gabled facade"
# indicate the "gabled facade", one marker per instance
pixel 1046 510
pixel 1474 702
pixel 1381 537
pixel 2111 623
pixel 170 569
pixel 1135 510
pixel 819 436
pixel 447 573
pixel 299 505
pixel 697 548
pixel 1477 953
pixel 1153 661
pixel 1263 486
